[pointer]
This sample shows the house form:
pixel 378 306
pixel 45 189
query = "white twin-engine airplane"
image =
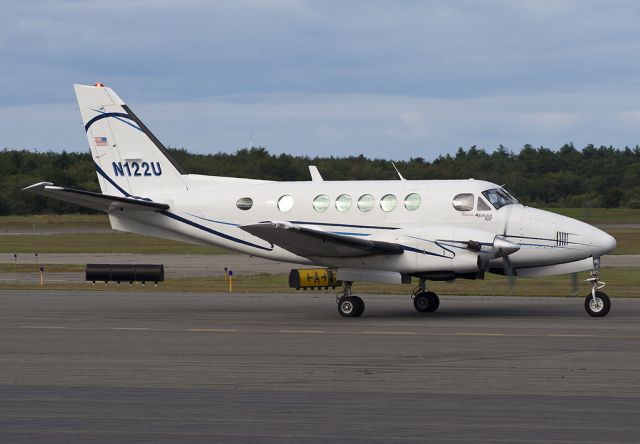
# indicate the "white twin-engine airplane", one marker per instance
pixel 384 231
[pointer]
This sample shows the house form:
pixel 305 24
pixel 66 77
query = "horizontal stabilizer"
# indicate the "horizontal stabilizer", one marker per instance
pixel 96 201
pixel 312 242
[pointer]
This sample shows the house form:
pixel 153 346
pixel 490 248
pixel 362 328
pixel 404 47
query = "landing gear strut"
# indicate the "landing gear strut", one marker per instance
pixel 349 306
pixel 425 301
pixel 597 303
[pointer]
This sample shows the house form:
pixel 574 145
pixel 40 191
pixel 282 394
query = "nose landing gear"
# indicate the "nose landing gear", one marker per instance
pixel 597 303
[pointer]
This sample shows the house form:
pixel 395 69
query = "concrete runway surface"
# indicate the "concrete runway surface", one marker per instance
pixel 178 367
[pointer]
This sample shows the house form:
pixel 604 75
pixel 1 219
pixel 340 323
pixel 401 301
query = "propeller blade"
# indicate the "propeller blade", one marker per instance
pixel 510 273
pixel 507 217
pixel 574 283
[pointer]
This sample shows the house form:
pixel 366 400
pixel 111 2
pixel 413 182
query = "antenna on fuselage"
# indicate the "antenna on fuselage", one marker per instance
pixel 315 174
pixel 396 168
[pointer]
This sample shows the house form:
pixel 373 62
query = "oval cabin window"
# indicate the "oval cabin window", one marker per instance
pixel 412 201
pixel 285 203
pixel 388 202
pixel 244 203
pixel 321 203
pixel 366 202
pixel 343 202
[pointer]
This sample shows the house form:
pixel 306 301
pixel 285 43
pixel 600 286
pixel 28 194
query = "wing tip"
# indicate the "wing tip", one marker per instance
pixel 38 186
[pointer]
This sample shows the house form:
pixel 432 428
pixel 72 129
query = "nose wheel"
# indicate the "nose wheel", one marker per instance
pixel 597 303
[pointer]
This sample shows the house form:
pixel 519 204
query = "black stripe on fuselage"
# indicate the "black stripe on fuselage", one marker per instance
pixel 325 224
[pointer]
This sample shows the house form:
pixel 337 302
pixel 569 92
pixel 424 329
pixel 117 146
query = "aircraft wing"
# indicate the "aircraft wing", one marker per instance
pixel 97 201
pixel 312 242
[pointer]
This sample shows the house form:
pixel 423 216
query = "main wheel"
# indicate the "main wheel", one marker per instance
pixel 426 302
pixel 434 301
pixel 359 305
pixel 599 307
pixel 350 306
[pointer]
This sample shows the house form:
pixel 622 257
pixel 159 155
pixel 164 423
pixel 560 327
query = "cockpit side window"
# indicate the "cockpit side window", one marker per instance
pixel 483 205
pixel 464 202
pixel 499 197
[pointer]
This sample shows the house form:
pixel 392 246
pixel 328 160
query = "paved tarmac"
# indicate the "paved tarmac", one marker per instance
pixel 254 368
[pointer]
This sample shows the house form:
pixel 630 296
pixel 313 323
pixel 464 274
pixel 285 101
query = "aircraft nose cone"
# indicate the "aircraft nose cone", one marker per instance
pixel 602 242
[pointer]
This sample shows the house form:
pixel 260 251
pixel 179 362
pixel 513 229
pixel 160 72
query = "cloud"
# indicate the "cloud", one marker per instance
pixel 387 78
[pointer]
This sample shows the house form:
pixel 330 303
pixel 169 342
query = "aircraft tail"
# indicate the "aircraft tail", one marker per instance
pixel 129 159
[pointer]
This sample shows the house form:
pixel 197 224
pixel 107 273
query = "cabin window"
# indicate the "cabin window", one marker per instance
pixel 321 203
pixel 412 201
pixel 366 202
pixel 343 202
pixel 482 205
pixel 244 203
pixel 464 202
pixel 388 202
pixel 285 203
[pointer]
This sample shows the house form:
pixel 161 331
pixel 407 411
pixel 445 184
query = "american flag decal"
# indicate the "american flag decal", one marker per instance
pixel 100 141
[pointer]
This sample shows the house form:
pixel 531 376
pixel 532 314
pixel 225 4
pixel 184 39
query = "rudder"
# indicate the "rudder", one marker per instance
pixel 129 159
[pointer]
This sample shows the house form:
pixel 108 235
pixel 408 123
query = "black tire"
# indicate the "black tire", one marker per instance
pixel 598 308
pixel 434 301
pixel 360 306
pixel 348 307
pixel 426 302
pixel 421 302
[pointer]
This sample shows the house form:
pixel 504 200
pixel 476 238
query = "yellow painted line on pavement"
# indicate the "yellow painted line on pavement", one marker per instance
pixel 302 331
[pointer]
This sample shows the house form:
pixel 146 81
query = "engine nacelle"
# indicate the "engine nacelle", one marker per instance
pixel 453 249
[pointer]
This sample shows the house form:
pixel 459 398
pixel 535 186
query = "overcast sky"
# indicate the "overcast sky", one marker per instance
pixel 391 79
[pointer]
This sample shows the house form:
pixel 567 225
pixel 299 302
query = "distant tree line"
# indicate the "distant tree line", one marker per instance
pixel 591 177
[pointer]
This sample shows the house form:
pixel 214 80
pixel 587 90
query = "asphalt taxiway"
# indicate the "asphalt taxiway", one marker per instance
pixel 180 367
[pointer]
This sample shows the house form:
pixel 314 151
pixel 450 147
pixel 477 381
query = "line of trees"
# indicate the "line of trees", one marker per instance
pixel 568 177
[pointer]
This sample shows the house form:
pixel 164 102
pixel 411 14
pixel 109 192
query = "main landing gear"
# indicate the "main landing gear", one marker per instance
pixel 349 306
pixel 425 301
pixel 597 303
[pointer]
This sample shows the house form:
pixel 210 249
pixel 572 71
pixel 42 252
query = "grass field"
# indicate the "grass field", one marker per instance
pixel 102 243
pixel 57 220
pixel 601 215
pixel 622 282
pixel 628 240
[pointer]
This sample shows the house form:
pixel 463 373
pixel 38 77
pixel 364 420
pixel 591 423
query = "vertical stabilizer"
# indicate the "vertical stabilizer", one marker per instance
pixel 129 159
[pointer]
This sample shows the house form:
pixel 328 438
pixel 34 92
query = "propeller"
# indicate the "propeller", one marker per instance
pixel 500 248
pixel 509 270
pixel 574 284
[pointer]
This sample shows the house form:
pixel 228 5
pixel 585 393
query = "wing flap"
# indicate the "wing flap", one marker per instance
pixel 311 242
pixel 96 201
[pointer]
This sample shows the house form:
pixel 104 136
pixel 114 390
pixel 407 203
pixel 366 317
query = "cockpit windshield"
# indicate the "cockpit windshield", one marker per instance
pixel 499 197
